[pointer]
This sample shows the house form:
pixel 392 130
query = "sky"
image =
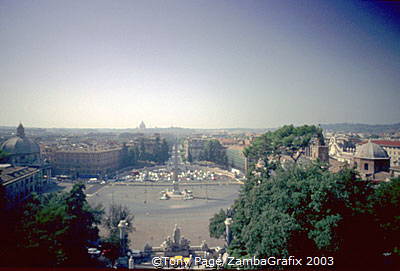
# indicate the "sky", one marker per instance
pixel 198 64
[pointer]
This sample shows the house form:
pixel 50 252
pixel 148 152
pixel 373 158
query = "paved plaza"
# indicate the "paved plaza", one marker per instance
pixel 155 219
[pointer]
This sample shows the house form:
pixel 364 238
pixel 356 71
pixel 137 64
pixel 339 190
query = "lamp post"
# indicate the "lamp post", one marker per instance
pixel 228 222
pixel 131 263
pixel 123 225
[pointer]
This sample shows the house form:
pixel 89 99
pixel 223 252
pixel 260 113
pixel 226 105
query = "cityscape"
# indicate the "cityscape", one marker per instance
pixel 200 135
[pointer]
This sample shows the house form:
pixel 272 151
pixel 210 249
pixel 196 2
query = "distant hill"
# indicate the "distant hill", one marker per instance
pixel 362 128
pixel 8 130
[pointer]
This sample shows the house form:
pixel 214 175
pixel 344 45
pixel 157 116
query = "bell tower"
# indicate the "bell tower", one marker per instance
pixel 21 130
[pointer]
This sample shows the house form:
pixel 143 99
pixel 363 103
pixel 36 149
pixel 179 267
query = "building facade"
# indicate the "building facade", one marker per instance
pixel 24 152
pixel 393 150
pixel 317 151
pixel 20 182
pixel 194 147
pixel 371 161
pixel 236 157
pixel 341 149
pixel 87 163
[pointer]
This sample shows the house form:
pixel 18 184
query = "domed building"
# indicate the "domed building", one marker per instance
pixel 370 159
pixel 22 151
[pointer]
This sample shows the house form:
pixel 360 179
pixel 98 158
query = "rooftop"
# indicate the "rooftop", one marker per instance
pixel 389 143
pixel 371 150
pixel 86 150
pixel 10 173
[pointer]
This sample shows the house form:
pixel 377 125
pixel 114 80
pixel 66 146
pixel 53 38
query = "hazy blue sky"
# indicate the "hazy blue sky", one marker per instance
pixel 198 64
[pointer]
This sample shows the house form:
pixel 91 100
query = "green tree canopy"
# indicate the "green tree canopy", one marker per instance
pixel 115 214
pixel 303 209
pixel 189 157
pixel 164 151
pixel 54 230
pixel 288 140
pixel 216 226
pixel 3 156
pixel 307 210
pixel 111 243
pixel 82 225
pixel 213 151
pixel 160 154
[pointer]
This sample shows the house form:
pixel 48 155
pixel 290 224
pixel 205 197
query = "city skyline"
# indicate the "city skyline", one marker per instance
pixel 328 126
pixel 208 64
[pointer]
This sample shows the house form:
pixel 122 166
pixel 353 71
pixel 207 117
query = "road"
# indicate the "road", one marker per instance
pixel 155 218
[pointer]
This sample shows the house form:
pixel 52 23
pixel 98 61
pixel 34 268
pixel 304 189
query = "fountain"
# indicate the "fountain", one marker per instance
pixel 176 193
pixel 177 245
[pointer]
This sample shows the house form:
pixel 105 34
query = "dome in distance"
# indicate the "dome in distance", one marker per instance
pixel 20 144
pixel 371 150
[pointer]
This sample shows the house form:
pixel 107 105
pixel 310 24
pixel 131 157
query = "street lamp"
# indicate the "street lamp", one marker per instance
pixel 228 222
pixel 123 225
pixel 131 263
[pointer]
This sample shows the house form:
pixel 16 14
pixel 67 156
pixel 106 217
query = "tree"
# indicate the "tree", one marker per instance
pixel 131 156
pixel 213 151
pixel 385 209
pixel 135 155
pixel 216 226
pixel 160 154
pixel 190 158
pixel 164 151
pixel 142 151
pixel 112 243
pixel 111 248
pixel 128 156
pixel 306 210
pixel 157 157
pixel 3 156
pixel 82 226
pixel 286 141
pixel 292 141
pixel 116 213
pixel 6 227
pixel 55 230
pixel 42 231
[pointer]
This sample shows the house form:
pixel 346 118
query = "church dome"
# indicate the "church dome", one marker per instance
pixel 371 150
pixel 20 144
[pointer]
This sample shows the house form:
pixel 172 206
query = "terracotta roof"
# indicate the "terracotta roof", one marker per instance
pixel 390 143
pixel 228 141
pixel 236 147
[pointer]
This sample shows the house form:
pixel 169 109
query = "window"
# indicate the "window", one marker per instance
pixel 365 166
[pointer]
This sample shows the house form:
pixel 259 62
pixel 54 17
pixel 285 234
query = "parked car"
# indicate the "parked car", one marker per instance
pixel 94 251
